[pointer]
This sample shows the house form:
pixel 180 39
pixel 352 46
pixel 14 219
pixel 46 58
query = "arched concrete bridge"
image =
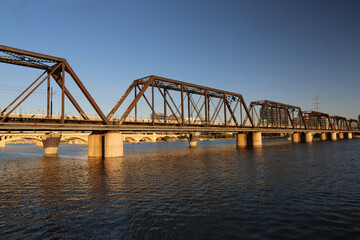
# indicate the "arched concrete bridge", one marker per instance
pixel 80 138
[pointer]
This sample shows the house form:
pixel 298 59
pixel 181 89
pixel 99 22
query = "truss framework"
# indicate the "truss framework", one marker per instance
pixel 182 104
pixel 55 68
pixel 196 105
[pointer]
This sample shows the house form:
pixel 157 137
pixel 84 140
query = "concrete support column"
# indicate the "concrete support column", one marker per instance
pixel 308 137
pixel 256 138
pixel 349 135
pixel 51 143
pixel 241 140
pixel 113 145
pixel 296 137
pixel 193 138
pixel 323 136
pixel 2 144
pixel 333 136
pixel 95 145
pixel 341 135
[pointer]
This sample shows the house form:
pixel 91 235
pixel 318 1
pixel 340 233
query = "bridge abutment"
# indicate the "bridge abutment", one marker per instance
pixel 51 143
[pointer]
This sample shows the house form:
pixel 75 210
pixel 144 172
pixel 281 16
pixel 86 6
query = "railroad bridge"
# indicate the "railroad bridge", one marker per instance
pixel 183 107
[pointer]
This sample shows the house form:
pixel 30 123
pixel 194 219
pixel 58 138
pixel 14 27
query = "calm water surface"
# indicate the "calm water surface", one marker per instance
pixel 170 191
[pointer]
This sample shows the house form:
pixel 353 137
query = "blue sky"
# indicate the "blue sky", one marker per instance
pixel 286 51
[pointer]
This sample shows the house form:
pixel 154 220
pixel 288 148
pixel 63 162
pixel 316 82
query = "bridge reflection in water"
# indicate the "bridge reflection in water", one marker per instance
pixel 174 107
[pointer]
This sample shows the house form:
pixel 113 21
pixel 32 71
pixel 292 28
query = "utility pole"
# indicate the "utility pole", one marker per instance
pixel 317 104
pixel 51 105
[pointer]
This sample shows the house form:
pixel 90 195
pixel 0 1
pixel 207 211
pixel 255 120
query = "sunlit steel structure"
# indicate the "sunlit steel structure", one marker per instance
pixel 174 105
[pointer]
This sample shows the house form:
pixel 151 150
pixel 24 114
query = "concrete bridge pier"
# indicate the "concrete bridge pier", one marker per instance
pixel 193 138
pixel 241 140
pixel 309 137
pixel 323 136
pixel 2 144
pixel 113 145
pixel 256 139
pixel 252 139
pixel 333 136
pixel 341 135
pixel 349 135
pixel 296 138
pixel 106 145
pixel 51 143
pixel 95 145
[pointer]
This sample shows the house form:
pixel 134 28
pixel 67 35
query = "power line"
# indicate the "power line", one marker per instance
pixel 7 88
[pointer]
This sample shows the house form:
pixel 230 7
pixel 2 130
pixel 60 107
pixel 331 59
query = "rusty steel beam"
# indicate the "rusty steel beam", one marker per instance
pixel 314 116
pixel 202 107
pixel 277 113
pixel 280 113
pixel 42 61
pixel 33 90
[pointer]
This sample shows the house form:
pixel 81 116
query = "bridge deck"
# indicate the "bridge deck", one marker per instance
pixel 29 127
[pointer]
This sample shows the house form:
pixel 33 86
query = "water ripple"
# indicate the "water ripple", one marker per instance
pixel 168 191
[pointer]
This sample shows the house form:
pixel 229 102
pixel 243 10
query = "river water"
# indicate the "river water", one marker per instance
pixel 169 191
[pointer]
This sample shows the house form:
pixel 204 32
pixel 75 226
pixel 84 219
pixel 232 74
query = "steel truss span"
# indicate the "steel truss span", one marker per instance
pixel 173 106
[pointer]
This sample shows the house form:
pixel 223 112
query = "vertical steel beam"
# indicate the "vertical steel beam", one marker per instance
pixel 165 105
pixel 262 113
pixel 63 93
pixel 189 109
pixel 135 92
pixel 225 101
pixel 206 108
pixel 152 103
pixel 48 97
pixel 57 78
pixel 182 104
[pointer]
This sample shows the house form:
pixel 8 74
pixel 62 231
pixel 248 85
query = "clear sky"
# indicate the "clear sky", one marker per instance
pixel 286 51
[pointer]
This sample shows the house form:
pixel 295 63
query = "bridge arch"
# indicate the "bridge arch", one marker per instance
pixel 131 139
pixel 145 139
pixel 5 139
pixel 71 139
